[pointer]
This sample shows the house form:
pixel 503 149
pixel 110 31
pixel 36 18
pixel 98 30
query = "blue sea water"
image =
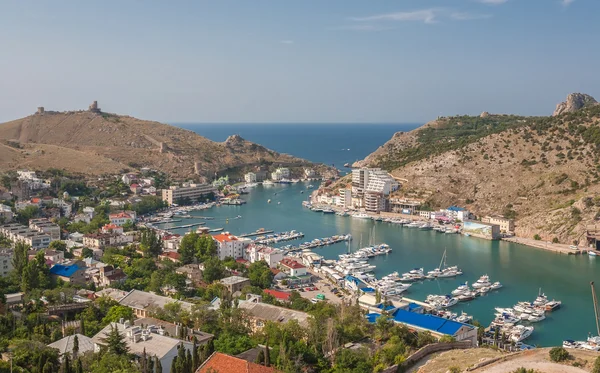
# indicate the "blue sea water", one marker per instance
pixel 332 144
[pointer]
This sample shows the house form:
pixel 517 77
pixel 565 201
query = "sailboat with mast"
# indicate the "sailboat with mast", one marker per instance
pixel 443 270
pixel 593 342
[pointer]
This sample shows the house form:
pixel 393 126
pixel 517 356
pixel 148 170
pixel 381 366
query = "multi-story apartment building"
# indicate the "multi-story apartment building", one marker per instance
pixel 6 256
pixel 271 255
pixel 373 185
pixel 21 233
pixel 6 214
pixel 46 226
pixel 230 245
pixel 187 190
pixel 345 200
pixel 250 177
pixel 280 174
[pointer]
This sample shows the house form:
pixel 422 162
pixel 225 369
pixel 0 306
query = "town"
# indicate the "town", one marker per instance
pixel 90 281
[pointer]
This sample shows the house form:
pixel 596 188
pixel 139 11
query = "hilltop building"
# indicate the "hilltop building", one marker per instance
pixel 94 107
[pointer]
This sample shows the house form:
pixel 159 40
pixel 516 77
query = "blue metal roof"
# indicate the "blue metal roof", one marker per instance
pixel 413 306
pixel 64 271
pixel 455 208
pixel 429 322
pixel 368 289
pixel 372 317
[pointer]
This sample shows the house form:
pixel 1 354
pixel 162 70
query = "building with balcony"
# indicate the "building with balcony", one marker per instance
pixel 230 245
pixel 45 226
pixel 250 177
pixel 194 192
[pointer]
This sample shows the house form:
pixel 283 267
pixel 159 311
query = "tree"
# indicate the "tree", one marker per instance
pixel 75 346
pixel 355 361
pixel 115 342
pixel 205 246
pixel 213 270
pixel 260 274
pixel 157 365
pixel 86 252
pixel 187 248
pixel 58 246
pixel 78 366
pixel 150 243
pixel 20 256
pixel 537 237
pixel 115 313
pixel 558 354
pixel 596 368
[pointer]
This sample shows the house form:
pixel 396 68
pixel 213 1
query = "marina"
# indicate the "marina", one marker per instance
pixel 520 269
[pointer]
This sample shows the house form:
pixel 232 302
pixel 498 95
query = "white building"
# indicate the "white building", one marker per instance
pixel 6 256
pixel 6 214
pixel 456 213
pixel 292 267
pixel 148 340
pixel 192 191
pixel 345 200
pixel 45 226
pixel 122 218
pixel 20 233
pixel 250 177
pixel 230 245
pixel 271 255
pixel 309 173
pixel 280 174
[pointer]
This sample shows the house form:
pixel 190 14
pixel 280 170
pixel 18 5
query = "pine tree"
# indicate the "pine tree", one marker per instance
pixel 82 324
pixel 48 368
pixel 174 365
pixel 188 361
pixel 267 355
pixel 115 342
pixel 195 355
pixel 78 366
pixel 75 346
pixel 40 364
pixel 144 362
pixel 157 365
pixel 260 358
pixel 66 365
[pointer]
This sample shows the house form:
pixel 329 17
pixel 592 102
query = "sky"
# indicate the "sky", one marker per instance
pixel 297 61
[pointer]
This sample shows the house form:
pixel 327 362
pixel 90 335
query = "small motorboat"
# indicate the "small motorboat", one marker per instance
pixel 592 254
pixel 496 285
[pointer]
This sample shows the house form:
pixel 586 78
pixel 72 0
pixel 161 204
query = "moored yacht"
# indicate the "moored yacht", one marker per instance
pixel 483 281
pixel 361 215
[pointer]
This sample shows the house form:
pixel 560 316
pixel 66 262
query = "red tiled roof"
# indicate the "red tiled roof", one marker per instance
pixel 275 271
pixel 240 260
pixel 120 215
pixel 171 254
pixel 225 237
pixel 222 363
pixel 35 200
pixel 134 185
pixel 290 263
pixel 278 294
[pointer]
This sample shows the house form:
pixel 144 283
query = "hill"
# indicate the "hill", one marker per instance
pixel 543 171
pixel 94 142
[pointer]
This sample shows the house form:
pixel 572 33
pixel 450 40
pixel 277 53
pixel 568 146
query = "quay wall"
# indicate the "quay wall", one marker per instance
pixel 424 351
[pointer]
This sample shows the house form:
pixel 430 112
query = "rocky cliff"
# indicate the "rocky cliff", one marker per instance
pixel 541 170
pixel 94 142
pixel 575 101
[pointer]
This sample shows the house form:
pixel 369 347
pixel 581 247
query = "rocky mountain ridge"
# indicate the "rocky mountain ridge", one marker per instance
pixel 574 102
pixel 543 171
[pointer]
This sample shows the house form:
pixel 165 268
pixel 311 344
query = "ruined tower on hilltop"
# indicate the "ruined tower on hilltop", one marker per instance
pixel 94 107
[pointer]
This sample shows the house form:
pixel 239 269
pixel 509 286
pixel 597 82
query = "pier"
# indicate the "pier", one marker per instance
pixel 279 237
pixel 185 226
pixel 320 242
pixel 257 233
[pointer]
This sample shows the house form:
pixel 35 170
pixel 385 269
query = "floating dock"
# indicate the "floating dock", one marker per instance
pixel 320 242
pixel 279 237
pixel 257 233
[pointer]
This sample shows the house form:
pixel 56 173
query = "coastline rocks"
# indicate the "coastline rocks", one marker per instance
pixel 575 101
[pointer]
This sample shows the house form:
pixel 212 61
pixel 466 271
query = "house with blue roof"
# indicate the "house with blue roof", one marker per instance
pixel 457 213
pixel 70 272
pixel 437 326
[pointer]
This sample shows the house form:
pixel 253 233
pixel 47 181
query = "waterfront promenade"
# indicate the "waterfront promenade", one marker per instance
pixel 546 245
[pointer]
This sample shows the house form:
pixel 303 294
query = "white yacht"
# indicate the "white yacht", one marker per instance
pixel 496 285
pixel 414 224
pixel 461 289
pixel 519 333
pixel 484 281
pixel 464 318
pixel 268 183
pixel 361 215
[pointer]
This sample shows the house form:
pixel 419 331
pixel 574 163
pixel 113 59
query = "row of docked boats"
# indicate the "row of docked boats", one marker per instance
pixel 508 319
pixel 368 252
pixel 446 314
pixel 319 242
pixel 482 286
pixel 278 237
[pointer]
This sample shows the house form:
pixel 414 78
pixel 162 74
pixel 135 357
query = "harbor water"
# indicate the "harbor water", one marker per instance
pixel 521 269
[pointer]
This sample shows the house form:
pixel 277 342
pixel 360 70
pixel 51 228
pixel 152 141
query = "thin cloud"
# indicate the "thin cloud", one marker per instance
pixel 461 16
pixel 286 42
pixel 363 27
pixel 424 15
pixel 428 16
pixel 492 2
pixel 567 2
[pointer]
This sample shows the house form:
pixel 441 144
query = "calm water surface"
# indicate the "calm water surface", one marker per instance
pixel 522 270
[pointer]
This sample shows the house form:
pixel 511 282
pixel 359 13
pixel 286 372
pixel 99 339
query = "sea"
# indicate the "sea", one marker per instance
pixel 523 270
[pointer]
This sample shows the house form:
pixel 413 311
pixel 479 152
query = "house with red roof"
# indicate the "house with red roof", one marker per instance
pixel 292 267
pixel 170 255
pixel 230 245
pixel 279 295
pixel 112 228
pixel 135 188
pixel 122 218
pixel 221 363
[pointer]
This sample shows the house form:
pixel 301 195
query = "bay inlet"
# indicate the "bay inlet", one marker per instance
pixel 522 270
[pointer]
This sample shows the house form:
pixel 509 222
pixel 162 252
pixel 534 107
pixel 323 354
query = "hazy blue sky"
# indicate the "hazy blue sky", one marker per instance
pixel 297 61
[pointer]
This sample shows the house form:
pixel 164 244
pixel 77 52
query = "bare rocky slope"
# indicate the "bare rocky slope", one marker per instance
pixel 97 143
pixel 543 171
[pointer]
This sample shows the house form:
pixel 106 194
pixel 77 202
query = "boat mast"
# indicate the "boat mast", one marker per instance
pixel 595 307
pixel 443 261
